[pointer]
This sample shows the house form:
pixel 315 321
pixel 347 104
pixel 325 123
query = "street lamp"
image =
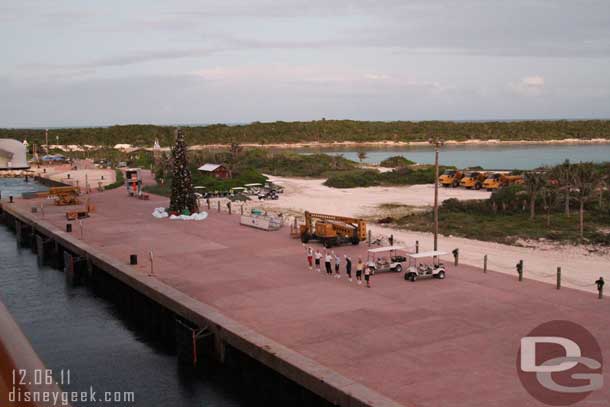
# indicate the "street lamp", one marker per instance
pixel 437 143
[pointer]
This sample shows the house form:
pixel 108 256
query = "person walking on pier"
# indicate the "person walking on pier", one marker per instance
pixel 359 268
pixel 309 258
pixel 337 265
pixel 367 276
pixel 348 267
pixel 318 256
pixel 327 262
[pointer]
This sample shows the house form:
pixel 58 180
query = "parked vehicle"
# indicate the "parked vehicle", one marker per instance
pixel 386 259
pixel 332 230
pixel 498 180
pixel 450 178
pixel 473 179
pixel 418 269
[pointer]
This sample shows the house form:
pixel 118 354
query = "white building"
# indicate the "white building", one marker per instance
pixel 12 155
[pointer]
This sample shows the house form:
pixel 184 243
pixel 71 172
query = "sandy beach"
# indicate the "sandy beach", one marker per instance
pixel 580 267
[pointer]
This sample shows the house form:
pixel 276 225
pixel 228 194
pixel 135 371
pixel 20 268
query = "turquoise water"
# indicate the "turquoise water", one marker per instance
pixel 522 157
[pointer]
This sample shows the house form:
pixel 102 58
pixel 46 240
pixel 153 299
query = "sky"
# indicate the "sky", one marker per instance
pixel 90 63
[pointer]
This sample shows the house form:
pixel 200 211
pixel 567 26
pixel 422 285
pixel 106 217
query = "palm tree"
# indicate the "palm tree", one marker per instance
pixel 585 180
pixel 535 182
pixel 361 156
pixel 563 173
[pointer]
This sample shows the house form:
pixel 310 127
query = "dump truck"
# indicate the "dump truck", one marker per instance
pixel 332 230
pixel 450 178
pixel 473 179
pixel 498 180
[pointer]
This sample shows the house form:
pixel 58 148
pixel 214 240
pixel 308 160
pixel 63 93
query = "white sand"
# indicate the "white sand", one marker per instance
pixel 579 267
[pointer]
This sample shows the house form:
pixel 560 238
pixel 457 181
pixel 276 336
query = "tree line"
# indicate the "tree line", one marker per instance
pixel 323 131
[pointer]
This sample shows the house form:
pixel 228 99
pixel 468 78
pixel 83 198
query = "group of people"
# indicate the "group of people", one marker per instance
pixel 332 265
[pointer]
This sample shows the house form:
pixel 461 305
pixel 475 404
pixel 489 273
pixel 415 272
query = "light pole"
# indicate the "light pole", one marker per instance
pixel 437 144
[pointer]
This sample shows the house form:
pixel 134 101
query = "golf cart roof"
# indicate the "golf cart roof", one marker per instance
pixel 199 187
pixel 253 185
pixel 432 253
pixel 386 249
pixel 237 188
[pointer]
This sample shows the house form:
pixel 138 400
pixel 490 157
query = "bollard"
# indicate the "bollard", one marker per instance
pixel 519 267
pixel 207 201
pixel 150 256
pixel 485 264
pixel 558 278
pixel 218 206
pixel 369 238
pixel 102 177
pixel 417 246
pixel 68 176
pixel 229 207
pixel 241 208
pixel 69 227
pixel 10 199
pixel 133 259
pixel 456 256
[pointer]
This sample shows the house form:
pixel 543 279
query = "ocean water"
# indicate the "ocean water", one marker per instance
pixel 522 157
pixel 72 330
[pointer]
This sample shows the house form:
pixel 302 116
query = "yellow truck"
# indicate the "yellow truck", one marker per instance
pixel 473 179
pixel 332 230
pixel 450 178
pixel 498 180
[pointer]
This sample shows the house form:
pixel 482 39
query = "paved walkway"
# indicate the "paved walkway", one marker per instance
pixel 429 343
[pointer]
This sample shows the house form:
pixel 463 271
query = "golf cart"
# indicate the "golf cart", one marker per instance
pixel 237 191
pixel 418 269
pixel 266 194
pixel 253 189
pixel 199 192
pixel 384 259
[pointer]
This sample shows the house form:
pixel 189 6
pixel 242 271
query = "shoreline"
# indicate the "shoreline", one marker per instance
pixel 340 144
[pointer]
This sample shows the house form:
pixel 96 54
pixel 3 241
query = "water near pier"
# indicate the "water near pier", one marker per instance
pixel 18 186
pixel 523 157
pixel 71 329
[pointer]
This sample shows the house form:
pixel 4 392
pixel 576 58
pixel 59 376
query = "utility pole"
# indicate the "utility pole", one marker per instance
pixel 437 143
pixel 46 139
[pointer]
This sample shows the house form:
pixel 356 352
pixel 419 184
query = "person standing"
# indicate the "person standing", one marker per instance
pixel 337 265
pixel 600 287
pixel 328 263
pixel 359 269
pixel 348 267
pixel 309 252
pixel 318 257
pixel 367 276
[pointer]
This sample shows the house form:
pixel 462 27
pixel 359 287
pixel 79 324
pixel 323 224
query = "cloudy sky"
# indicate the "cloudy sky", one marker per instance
pixel 87 62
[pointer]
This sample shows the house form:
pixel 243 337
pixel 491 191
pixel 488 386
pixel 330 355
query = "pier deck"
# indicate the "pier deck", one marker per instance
pixel 429 343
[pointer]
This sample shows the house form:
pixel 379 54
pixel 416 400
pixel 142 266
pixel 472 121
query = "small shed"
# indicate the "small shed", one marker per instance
pixel 217 170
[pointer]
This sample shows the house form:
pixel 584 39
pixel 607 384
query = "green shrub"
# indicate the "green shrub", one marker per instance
pixel 396 161
pixel 354 179
pixel 119 182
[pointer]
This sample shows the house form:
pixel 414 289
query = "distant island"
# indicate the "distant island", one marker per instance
pixel 323 132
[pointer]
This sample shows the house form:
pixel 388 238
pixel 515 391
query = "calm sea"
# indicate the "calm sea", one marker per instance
pixel 71 329
pixel 523 157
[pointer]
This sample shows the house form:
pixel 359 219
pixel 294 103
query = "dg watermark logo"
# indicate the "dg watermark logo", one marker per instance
pixel 560 363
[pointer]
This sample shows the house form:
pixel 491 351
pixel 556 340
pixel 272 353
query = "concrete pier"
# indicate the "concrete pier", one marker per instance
pixel 247 297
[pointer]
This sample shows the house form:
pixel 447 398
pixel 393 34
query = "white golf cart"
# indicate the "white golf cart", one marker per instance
pixel 386 259
pixel 253 189
pixel 199 192
pixel 418 269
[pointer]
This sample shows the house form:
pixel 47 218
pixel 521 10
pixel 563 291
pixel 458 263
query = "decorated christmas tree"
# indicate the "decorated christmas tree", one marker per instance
pixel 183 196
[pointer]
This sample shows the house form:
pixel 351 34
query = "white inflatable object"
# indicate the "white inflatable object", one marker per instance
pixel 160 213
pixel 195 216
